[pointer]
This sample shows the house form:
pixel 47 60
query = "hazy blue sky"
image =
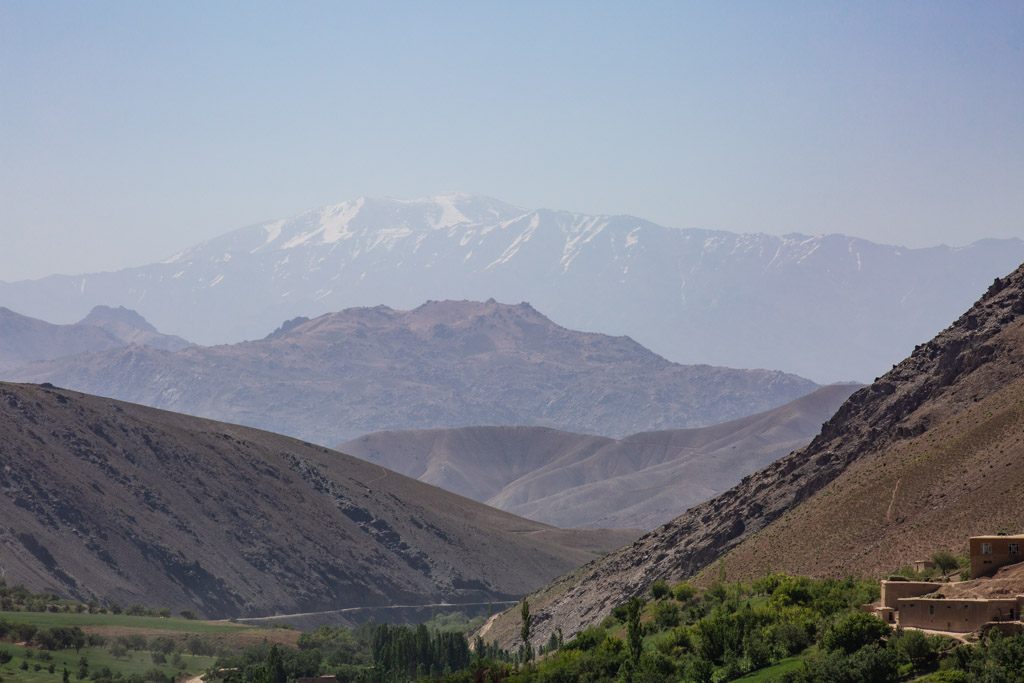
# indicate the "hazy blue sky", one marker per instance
pixel 129 130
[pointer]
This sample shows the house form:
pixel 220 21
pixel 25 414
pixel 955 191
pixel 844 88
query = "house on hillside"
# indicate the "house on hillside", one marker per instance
pixel 921 604
pixel 989 553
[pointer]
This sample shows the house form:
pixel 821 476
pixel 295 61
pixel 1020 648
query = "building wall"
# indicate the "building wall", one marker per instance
pixel 983 564
pixel 894 590
pixel 959 616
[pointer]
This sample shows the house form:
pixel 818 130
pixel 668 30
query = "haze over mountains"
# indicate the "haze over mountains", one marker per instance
pixel 24 339
pixel 583 481
pixel 926 456
pixel 827 307
pixel 115 501
pixel 443 364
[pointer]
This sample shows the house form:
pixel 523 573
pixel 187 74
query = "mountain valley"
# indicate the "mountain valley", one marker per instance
pixel 584 481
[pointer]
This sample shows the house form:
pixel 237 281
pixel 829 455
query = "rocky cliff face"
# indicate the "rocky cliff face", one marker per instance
pixel 975 357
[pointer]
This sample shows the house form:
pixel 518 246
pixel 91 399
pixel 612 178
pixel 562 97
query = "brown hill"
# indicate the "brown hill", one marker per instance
pixel 444 364
pixel 925 456
pixel 583 481
pixel 104 499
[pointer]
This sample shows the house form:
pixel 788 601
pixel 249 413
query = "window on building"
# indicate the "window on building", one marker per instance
pixel 1014 549
pixel 931 609
pixel 986 548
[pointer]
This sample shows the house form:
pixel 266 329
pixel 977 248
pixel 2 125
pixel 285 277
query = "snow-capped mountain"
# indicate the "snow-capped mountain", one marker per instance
pixel 829 307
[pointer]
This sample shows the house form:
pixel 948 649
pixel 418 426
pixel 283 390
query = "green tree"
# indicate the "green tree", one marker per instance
pixel 683 591
pixel 524 630
pixel 659 589
pixel 855 630
pixel 945 561
pixel 634 632
pixel 666 615
pixel 275 666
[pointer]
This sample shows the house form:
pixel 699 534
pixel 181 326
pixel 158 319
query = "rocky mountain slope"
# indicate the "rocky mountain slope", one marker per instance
pixel 24 339
pixel 585 481
pixel 110 500
pixel 443 364
pixel 828 307
pixel 928 454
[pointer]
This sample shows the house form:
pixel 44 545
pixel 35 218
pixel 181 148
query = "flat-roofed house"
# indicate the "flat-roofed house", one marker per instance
pixel 989 553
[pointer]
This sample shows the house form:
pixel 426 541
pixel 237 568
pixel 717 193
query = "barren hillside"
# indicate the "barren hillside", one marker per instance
pixel 924 456
pixel 115 501
pixel 583 481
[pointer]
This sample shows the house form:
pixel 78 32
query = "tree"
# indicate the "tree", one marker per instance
pixel 634 632
pixel 524 630
pixel 945 561
pixel 683 591
pixel 188 614
pixel 854 631
pixel 275 666
pixel 5 657
pixel 666 614
pixel 659 589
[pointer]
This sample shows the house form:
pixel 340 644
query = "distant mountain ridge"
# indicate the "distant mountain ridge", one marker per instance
pixel 591 482
pixel 927 455
pixel 442 364
pixel 24 339
pixel 830 307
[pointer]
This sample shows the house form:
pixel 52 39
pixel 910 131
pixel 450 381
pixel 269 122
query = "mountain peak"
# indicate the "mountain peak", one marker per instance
pixel 120 314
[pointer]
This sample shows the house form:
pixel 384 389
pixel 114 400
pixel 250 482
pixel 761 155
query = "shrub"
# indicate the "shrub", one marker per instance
pixel 683 591
pixel 162 644
pixel 666 614
pixel 659 589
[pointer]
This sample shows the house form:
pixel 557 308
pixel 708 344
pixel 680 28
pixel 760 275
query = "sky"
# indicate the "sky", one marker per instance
pixel 131 130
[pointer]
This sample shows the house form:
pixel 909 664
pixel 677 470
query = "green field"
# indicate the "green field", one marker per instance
pixel 132 663
pixel 777 669
pixel 47 619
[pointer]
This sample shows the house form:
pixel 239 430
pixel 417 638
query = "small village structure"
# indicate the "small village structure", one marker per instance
pixel 921 604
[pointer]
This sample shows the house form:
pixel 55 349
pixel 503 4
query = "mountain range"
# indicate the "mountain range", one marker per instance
pixel 115 501
pixel 442 364
pixel 585 481
pixel 926 456
pixel 828 307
